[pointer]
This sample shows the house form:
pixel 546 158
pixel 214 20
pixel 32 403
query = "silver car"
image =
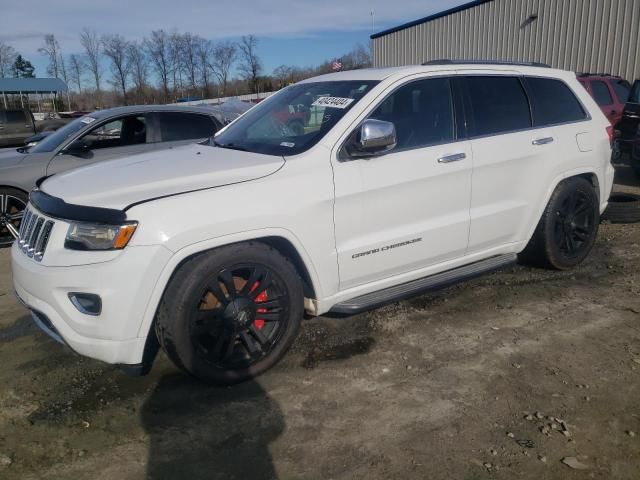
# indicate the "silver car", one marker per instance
pixel 99 136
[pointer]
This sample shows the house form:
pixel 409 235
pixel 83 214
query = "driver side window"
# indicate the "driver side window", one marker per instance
pixel 120 132
pixel 422 112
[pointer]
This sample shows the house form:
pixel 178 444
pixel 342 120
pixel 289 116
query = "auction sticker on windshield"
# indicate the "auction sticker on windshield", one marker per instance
pixel 333 102
pixel 87 120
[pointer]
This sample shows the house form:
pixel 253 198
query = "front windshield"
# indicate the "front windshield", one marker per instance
pixel 294 119
pixel 51 142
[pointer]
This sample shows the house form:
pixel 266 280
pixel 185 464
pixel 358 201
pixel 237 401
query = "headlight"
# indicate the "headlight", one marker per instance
pixel 95 236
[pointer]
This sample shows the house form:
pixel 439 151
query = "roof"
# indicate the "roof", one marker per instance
pixel 380 74
pixel 32 85
pixel 444 13
pixel 358 74
pixel 223 114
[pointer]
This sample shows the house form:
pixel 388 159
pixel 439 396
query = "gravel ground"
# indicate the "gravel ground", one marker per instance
pixel 525 373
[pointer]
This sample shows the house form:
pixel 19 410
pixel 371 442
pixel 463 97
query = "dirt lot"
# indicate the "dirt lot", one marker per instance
pixel 502 377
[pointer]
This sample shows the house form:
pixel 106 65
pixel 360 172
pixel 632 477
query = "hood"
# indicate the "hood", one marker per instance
pixel 10 157
pixel 125 181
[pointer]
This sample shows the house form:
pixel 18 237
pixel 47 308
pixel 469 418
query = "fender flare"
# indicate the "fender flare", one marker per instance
pixel 188 251
pixel 553 185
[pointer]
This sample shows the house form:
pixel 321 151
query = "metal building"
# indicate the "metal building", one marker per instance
pixel 597 36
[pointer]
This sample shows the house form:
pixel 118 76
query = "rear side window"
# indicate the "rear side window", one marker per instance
pixel 16 116
pixel 175 126
pixel 601 93
pixel 421 111
pixel 622 89
pixel 498 104
pixel 553 102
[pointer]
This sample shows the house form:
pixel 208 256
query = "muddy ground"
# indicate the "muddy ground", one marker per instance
pixel 501 378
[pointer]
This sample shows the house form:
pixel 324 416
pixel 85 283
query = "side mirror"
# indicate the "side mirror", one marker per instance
pixel 372 137
pixel 78 149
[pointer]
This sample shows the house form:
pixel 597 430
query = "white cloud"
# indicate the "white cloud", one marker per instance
pixel 25 23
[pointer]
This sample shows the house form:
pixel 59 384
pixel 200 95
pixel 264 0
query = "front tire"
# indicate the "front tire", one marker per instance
pixel 12 205
pixel 568 228
pixel 232 313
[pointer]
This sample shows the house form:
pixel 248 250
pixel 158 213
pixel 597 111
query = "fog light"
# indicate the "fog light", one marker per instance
pixel 87 303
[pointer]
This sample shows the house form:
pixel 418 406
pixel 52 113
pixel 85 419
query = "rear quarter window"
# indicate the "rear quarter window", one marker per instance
pixel 553 102
pixel 601 93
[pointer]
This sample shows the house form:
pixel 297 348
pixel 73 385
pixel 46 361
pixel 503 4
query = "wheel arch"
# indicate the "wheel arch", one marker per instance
pixel 588 174
pixel 284 242
pixel 15 187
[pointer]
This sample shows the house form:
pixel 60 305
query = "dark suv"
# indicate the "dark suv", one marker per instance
pixel 609 92
pixel 15 127
pixel 627 132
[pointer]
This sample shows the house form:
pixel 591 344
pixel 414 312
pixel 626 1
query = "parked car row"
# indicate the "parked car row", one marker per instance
pixel 100 136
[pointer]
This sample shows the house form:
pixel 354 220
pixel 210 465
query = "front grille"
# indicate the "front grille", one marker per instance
pixel 35 231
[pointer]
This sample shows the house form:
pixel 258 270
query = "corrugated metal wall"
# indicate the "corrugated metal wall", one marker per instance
pixel 580 35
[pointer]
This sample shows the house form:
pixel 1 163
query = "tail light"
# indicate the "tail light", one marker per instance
pixel 610 134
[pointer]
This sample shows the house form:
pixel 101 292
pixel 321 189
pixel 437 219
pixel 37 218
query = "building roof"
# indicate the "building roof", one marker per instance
pixel 32 85
pixel 444 13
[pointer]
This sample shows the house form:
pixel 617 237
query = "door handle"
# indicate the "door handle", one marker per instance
pixel 542 141
pixel 452 158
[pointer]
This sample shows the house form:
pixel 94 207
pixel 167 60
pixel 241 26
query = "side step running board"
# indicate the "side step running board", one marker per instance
pixel 422 285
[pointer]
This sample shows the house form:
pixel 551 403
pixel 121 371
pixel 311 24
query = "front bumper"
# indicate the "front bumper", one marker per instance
pixel 124 283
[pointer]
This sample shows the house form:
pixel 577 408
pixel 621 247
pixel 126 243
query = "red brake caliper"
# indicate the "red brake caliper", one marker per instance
pixel 259 323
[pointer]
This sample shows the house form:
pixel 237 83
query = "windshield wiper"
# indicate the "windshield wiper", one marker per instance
pixel 230 146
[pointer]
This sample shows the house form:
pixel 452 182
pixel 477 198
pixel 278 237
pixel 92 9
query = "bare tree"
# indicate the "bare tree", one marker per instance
pixel 159 52
pixel 91 44
pixel 116 48
pixel 204 53
pixel 51 50
pixel 250 64
pixel 76 68
pixel 224 55
pixel 358 57
pixel 175 61
pixel 189 44
pixel 283 74
pixel 7 59
pixel 139 67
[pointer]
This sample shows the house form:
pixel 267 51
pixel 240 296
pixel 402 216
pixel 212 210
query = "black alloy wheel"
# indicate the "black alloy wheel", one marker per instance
pixel 12 206
pixel 574 225
pixel 240 316
pixel 568 228
pixel 231 313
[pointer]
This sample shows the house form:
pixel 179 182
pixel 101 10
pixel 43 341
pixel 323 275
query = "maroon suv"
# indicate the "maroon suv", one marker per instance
pixel 609 92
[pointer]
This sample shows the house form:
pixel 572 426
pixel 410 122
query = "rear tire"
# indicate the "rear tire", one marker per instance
pixel 232 313
pixel 568 228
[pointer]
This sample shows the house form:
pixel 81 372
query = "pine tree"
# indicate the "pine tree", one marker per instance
pixel 22 68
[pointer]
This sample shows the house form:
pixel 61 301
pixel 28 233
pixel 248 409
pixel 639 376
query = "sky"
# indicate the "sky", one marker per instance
pixel 291 32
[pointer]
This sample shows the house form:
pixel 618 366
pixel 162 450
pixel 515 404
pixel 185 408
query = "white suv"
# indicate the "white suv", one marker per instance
pixel 336 195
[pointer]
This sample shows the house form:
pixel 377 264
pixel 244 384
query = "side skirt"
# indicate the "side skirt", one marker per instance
pixel 427 284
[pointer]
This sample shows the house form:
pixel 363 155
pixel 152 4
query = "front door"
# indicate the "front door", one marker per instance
pixel 409 208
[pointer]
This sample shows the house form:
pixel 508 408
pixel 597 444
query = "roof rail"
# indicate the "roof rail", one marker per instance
pixel 587 74
pixel 447 61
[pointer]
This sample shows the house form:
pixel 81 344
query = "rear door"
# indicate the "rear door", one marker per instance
pixel 4 130
pixel 508 158
pixel 628 126
pixel 19 126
